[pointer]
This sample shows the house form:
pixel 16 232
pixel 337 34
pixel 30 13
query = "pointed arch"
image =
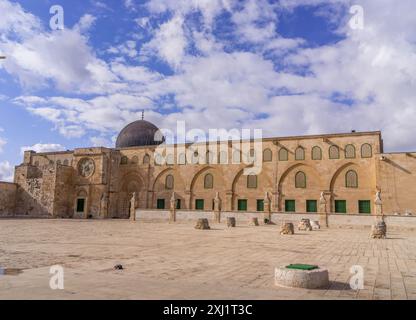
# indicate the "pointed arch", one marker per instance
pixel 267 155
pixel 161 173
pixel 349 151
pixel 336 174
pixel 195 177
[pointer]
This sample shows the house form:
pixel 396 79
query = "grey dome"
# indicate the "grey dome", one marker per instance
pixel 138 133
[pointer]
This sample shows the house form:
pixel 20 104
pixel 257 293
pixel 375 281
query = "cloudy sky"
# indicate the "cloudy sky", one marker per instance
pixel 290 67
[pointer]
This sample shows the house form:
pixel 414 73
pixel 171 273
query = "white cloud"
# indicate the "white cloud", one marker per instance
pixel 129 4
pixel 128 49
pixel 2 143
pixel 43 147
pixel 6 171
pixel 169 42
pixel 285 85
pixel 85 23
pixel 101 142
pixel 37 57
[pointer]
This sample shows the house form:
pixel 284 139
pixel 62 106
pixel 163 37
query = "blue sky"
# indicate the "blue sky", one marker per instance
pixel 288 67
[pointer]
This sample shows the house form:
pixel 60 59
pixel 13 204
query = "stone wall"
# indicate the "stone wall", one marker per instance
pixel 397 181
pixel 35 191
pixel 64 198
pixel 335 220
pixel 7 198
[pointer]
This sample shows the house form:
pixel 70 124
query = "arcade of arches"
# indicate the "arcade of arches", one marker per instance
pixel 100 182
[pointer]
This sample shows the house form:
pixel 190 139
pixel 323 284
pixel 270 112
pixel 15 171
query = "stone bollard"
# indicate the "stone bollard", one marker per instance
pixel 305 225
pixel 202 224
pixel 230 222
pixel 379 230
pixel 254 222
pixel 287 228
pixel 315 225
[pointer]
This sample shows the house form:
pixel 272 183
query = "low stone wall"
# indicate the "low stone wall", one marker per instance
pixel 334 220
pixel 7 198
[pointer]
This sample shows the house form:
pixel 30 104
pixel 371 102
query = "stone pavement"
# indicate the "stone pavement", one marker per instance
pixel 176 261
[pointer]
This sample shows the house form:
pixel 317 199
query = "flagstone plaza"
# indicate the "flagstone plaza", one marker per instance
pixel 176 261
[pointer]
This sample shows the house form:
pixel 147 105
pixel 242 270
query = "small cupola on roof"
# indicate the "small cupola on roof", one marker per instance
pixel 139 133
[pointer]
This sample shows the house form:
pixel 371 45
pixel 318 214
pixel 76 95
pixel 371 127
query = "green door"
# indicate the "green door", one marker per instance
pixel 80 205
pixel 311 206
pixel 242 205
pixel 160 203
pixel 340 206
pixel 260 205
pixel 199 204
pixel 364 206
pixel 290 205
pixel 178 203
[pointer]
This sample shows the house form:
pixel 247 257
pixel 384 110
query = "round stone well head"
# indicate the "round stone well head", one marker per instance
pixel 302 276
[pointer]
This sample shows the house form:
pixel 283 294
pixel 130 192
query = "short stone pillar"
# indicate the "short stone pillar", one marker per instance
pixel 202 224
pixel 133 207
pixel 307 278
pixel 287 228
pixel 267 208
pixel 315 225
pixel 379 230
pixel 254 222
pixel 305 225
pixel 230 222
pixel 172 209
pixel 217 208
pixel 323 211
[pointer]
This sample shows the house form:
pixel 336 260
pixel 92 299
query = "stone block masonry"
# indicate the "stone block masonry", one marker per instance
pixel 7 198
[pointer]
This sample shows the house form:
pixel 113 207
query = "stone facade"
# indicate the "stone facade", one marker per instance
pixel 7 198
pixel 348 169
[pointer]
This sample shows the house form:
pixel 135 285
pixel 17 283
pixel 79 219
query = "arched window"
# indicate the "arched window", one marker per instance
pixel 36 163
pixel 333 152
pixel 158 159
pixel 283 154
pixel 66 162
pixel 300 180
pixel 135 159
pixel 300 153
pixel 170 159
pixel 251 181
pixel 223 157
pixel 366 151
pixel 208 181
pixel 267 155
pixel 316 153
pixel 169 182
pixel 181 158
pixel 349 151
pixel 351 179
pixel 146 159
pixel 236 157
pixel 124 160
